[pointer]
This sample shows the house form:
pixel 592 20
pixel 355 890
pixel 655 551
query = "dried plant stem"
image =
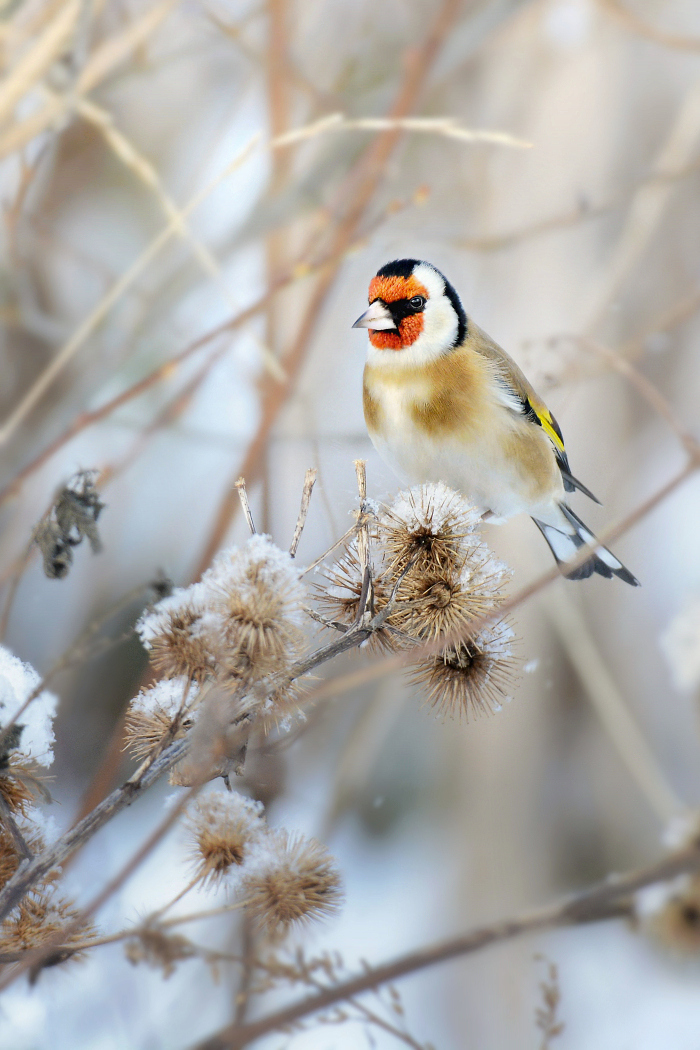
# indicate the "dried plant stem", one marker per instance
pixel 309 482
pixel 160 924
pixel 34 959
pixel 606 900
pixel 95 317
pixel 649 392
pixel 363 519
pixel 32 871
pixel 20 567
pixel 610 706
pixel 155 916
pixel 76 651
pixel 106 57
pixel 647 208
pixel 245 504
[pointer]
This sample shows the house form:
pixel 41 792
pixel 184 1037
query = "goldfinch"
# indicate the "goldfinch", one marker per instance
pixel 443 402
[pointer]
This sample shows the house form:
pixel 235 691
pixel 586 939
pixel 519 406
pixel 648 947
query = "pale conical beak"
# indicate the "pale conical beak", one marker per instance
pixel 377 317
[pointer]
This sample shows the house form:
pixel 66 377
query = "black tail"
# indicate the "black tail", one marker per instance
pixel 564 546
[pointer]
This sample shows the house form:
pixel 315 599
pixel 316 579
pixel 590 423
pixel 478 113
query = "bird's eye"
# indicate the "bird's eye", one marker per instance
pixel 417 302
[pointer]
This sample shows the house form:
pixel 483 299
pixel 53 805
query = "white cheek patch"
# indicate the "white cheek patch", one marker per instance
pixel 440 327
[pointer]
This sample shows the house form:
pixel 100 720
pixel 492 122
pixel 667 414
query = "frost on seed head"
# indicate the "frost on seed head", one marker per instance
pixel 152 713
pixel 174 631
pixel 294 880
pixel 223 827
pixel 17 683
pixel 40 917
pixel 255 600
pixel 473 677
pixel 431 526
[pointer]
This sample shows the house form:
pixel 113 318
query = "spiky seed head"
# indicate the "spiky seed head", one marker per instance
pixel 158 949
pixel 223 827
pixel 340 596
pixel 432 605
pixel 175 634
pixel 39 917
pixel 472 677
pixel 297 882
pixel 255 598
pixel 20 784
pixel 152 714
pixel 429 526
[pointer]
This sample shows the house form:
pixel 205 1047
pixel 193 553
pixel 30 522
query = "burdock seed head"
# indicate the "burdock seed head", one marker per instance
pixel 296 881
pixel 430 526
pixel 175 634
pixel 223 827
pixel 255 598
pixel 152 713
pixel 40 916
pixel 340 596
pixel 472 677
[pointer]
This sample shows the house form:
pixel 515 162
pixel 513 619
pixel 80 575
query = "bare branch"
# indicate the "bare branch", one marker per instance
pixel 606 900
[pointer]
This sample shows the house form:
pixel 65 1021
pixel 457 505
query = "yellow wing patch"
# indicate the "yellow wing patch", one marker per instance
pixel 549 424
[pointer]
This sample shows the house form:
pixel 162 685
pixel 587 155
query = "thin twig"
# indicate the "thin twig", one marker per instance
pixel 607 899
pixel 243 497
pixel 34 959
pixel 31 872
pixel 309 482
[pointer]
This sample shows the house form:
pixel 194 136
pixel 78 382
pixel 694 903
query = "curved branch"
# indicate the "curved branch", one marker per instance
pixel 606 900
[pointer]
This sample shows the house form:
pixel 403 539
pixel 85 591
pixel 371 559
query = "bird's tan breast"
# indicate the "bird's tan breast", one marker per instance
pixel 443 421
pixel 441 398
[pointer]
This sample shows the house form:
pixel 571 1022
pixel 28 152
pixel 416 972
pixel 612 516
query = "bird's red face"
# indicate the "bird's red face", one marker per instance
pixel 396 293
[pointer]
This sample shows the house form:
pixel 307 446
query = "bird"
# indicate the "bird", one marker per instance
pixel 443 402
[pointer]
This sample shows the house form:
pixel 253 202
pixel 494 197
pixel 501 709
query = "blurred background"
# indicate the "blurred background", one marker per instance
pixel 194 290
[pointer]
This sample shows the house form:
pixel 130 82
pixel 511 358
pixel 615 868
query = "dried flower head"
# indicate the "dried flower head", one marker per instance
pixel 342 593
pixel 472 677
pixel 21 784
pixel 158 949
pixel 255 597
pixel 429 526
pixel 153 714
pixel 295 882
pixel 19 681
pixel 223 827
pixel 175 633
pixel 442 604
pixel 670 913
pixel 39 917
